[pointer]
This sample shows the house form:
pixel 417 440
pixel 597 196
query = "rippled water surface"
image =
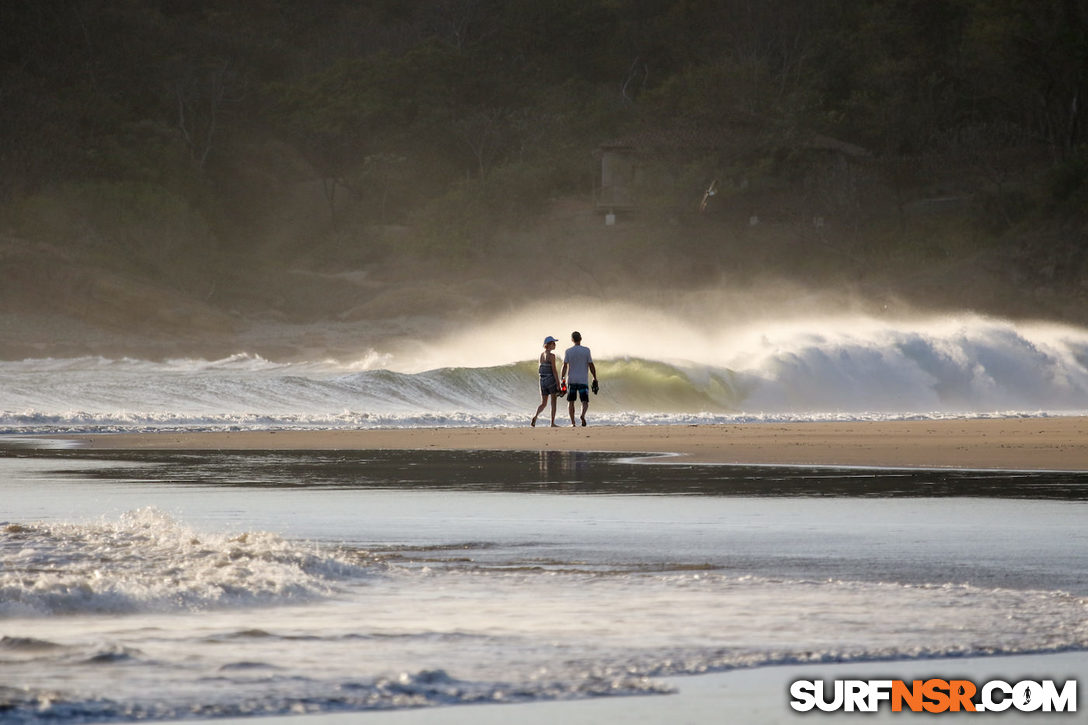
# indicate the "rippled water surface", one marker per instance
pixel 162 585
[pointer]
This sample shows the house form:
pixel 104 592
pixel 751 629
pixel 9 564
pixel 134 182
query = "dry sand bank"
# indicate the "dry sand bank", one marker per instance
pixel 1001 443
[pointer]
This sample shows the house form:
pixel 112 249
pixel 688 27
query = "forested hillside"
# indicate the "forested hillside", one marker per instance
pixel 204 162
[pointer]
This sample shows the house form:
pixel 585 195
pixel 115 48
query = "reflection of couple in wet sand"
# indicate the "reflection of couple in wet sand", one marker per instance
pixel 577 366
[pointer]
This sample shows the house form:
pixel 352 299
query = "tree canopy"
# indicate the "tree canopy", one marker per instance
pixel 427 113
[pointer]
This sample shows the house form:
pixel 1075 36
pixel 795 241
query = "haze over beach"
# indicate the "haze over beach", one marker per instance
pixel 274 277
pixel 656 368
pixel 305 183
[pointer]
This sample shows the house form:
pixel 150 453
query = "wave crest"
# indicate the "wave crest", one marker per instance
pixel 147 561
pixel 848 368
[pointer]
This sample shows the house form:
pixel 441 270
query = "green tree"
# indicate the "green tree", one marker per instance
pixel 1030 64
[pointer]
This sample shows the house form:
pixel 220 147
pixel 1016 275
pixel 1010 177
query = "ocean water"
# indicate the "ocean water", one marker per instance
pixel 157 586
pixel 653 369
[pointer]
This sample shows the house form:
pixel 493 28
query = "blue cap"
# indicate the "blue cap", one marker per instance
pixel 549 338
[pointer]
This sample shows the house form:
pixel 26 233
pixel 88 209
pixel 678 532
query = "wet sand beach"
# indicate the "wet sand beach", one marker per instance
pixel 953 546
pixel 1050 443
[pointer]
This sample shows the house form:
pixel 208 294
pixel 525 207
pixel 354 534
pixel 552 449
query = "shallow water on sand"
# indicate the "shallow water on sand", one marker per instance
pixel 162 585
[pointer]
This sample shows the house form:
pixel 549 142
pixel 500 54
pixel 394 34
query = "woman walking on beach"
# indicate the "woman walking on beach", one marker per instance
pixel 549 379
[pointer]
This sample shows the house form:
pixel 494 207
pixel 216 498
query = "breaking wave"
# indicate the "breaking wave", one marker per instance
pixel 848 368
pixel 147 562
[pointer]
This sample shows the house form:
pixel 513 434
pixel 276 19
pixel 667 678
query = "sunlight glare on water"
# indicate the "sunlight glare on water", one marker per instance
pixel 655 367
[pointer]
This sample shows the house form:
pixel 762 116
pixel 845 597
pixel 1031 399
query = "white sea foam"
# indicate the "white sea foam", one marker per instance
pixel 847 368
pixel 146 561
pixel 539 608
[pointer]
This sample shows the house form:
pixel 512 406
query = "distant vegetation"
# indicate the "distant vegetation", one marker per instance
pixel 202 145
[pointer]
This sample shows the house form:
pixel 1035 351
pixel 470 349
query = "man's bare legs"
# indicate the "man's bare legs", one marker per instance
pixel 585 407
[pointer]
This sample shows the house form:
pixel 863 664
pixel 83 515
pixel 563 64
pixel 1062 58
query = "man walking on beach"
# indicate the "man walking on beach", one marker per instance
pixel 577 365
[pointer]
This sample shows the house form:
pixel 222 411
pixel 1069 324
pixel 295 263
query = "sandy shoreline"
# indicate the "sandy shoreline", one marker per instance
pixel 998 443
pixel 756 695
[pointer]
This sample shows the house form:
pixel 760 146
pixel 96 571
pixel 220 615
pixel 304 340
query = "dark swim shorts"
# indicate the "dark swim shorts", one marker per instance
pixel 579 390
pixel 549 389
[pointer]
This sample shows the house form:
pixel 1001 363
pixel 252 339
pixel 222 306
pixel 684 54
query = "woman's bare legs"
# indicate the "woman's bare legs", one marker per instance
pixel 543 404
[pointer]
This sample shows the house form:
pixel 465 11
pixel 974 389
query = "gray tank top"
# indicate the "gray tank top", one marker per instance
pixel 547 375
